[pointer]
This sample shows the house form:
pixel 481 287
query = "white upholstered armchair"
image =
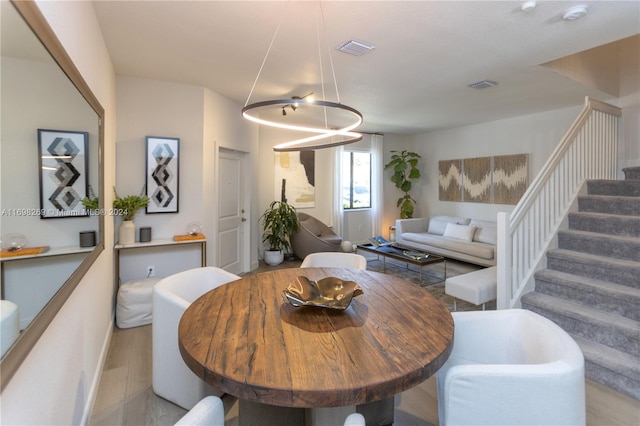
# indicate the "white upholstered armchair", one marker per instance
pixel 334 260
pixel 172 379
pixel 511 367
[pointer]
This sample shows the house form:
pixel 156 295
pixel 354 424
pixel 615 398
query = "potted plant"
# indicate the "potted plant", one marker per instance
pixel 279 221
pixel 127 207
pixel 91 203
pixel 405 168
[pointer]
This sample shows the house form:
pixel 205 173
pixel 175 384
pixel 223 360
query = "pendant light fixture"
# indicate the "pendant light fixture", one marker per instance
pixel 321 123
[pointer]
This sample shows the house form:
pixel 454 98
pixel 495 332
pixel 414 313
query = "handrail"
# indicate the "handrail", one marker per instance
pixel 588 150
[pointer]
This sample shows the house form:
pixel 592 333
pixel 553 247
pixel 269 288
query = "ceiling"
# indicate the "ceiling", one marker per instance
pixel 414 81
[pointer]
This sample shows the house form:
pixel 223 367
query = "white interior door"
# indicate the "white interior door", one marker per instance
pixel 233 213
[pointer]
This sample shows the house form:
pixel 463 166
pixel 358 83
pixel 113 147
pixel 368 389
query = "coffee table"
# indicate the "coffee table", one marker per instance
pixel 396 252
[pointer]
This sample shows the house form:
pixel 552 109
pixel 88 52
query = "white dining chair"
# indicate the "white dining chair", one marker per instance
pixel 209 411
pixel 511 367
pixel 334 260
pixel 172 379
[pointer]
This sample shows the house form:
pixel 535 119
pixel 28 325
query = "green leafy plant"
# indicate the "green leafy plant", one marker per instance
pixel 279 221
pixel 91 203
pixel 128 206
pixel 405 168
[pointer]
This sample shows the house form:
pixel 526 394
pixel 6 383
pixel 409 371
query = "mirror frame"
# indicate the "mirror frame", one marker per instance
pixel 36 21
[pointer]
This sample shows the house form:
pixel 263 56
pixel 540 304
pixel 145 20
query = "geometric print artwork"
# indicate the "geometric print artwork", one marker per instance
pixel 63 162
pixel 499 179
pixel 162 174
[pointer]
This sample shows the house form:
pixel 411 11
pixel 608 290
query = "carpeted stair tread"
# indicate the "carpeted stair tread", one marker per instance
pixel 619 271
pixel 619 205
pixel 618 246
pixel 611 367
pixel 631 173
pixel 602 327
pixel 629 188
pixel 603 295
pixel 605 223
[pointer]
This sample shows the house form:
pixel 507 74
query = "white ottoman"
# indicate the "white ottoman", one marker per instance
pixel 9 325
pixel 133 307
pixel 477 287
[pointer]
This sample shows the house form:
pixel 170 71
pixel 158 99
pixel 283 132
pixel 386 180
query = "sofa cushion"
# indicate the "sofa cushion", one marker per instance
pixel 486 231
pixel 438 224
pixel 481 250
pixel 459 232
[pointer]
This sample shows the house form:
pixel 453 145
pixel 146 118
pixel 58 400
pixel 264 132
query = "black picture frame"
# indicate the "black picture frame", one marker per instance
pixel 162 176
pixel 63 164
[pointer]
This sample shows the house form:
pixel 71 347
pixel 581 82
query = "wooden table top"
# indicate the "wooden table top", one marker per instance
pixel 246 340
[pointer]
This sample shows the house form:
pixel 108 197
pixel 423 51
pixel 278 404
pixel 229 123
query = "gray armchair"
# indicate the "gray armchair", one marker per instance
pixel 313 236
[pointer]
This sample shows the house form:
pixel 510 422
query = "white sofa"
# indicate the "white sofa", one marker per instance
pixel 454 237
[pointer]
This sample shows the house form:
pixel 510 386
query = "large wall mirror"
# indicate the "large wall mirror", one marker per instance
pixel 51 138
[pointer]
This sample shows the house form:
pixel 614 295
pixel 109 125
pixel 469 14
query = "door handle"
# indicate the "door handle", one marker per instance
pixel 244 219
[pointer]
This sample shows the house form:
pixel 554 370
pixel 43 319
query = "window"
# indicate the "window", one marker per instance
pixel 356 178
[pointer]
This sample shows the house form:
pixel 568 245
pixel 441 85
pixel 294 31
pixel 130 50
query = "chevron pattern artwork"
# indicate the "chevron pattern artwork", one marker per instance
pixel 162 174
pixel 63 173
pixel 499 179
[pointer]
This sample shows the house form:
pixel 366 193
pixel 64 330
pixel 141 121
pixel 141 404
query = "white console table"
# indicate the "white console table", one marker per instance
pixel 158 243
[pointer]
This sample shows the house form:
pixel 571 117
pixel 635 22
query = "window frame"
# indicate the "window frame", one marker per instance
pixel 351 185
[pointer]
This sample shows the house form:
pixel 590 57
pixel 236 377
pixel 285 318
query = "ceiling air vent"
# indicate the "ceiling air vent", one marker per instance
pixel 483 84
pixel 355 48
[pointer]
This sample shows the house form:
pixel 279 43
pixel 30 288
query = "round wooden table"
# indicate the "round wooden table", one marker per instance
pixel 247 340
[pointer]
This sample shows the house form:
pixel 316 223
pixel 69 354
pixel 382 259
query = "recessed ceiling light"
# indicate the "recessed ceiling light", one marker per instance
pixel 528 6
pixel 575 12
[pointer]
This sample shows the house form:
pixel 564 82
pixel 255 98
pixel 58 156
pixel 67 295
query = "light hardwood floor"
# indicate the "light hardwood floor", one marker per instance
pixel 125 395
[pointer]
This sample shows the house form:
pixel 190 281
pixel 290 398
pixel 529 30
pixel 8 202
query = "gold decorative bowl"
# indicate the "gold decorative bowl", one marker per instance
pixel 330 292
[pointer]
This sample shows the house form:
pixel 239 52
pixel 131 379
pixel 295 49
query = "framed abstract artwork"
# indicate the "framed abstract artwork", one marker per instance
pixel 295 178
pixel 63 165
pixel 162 174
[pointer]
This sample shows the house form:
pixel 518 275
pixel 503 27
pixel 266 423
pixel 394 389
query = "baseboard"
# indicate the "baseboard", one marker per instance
pixel 95 383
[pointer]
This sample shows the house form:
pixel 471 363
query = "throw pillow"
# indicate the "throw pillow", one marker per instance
pixel 486 231
pixel 459 232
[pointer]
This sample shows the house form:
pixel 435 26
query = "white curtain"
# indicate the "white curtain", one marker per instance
pixel 338 210
pixel 377 169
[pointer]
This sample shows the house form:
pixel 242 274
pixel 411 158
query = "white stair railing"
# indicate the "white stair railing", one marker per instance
pixel 587 151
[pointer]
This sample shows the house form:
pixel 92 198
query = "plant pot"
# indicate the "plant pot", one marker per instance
pixel 272 257
pixel 127 232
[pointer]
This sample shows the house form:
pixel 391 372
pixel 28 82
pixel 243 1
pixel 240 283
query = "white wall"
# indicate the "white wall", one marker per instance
pixel 55 383
pixel 204 122
pixel 536 135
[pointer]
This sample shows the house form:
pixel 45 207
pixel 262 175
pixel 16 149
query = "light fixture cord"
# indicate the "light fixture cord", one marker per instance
pixel 333 71
pixel 264 61
pixel 324 98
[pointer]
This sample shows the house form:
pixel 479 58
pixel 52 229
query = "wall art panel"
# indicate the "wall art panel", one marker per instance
pixel 295 178
pixel 450 180
pixel 476 180
pixel 510 175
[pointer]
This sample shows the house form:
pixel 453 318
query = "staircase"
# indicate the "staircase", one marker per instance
pixel 591 286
